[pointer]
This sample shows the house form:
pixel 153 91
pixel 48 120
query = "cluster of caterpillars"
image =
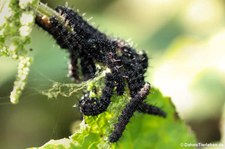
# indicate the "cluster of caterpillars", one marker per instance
pixel 90 46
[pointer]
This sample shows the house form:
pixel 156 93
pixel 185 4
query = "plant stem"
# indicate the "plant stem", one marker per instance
pixel 43 10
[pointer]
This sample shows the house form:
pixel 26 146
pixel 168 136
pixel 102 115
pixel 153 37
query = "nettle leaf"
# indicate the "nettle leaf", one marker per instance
pixel 143 131
pixel 146 131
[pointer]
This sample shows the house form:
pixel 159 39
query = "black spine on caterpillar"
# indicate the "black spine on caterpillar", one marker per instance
pixel 89 39
pixel 56 29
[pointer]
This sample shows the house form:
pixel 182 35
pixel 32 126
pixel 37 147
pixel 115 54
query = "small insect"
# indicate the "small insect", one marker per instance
pixel 90 46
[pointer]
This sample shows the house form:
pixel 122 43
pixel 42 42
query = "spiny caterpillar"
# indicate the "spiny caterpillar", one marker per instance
pixel 90 46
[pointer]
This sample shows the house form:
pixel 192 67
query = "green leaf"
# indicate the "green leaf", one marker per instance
pixel 143 131
pixel 146 131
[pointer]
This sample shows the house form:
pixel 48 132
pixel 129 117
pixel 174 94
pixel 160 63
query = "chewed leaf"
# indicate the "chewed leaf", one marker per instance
pixel 143 131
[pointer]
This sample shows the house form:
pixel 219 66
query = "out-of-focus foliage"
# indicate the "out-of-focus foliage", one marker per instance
pixel 143 131
pixel 200 72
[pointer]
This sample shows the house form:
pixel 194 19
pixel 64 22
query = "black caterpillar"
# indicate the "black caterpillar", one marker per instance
pixel 90 46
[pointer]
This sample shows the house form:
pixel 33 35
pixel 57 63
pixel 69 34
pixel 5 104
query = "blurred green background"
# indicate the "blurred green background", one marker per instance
pixel 185 41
